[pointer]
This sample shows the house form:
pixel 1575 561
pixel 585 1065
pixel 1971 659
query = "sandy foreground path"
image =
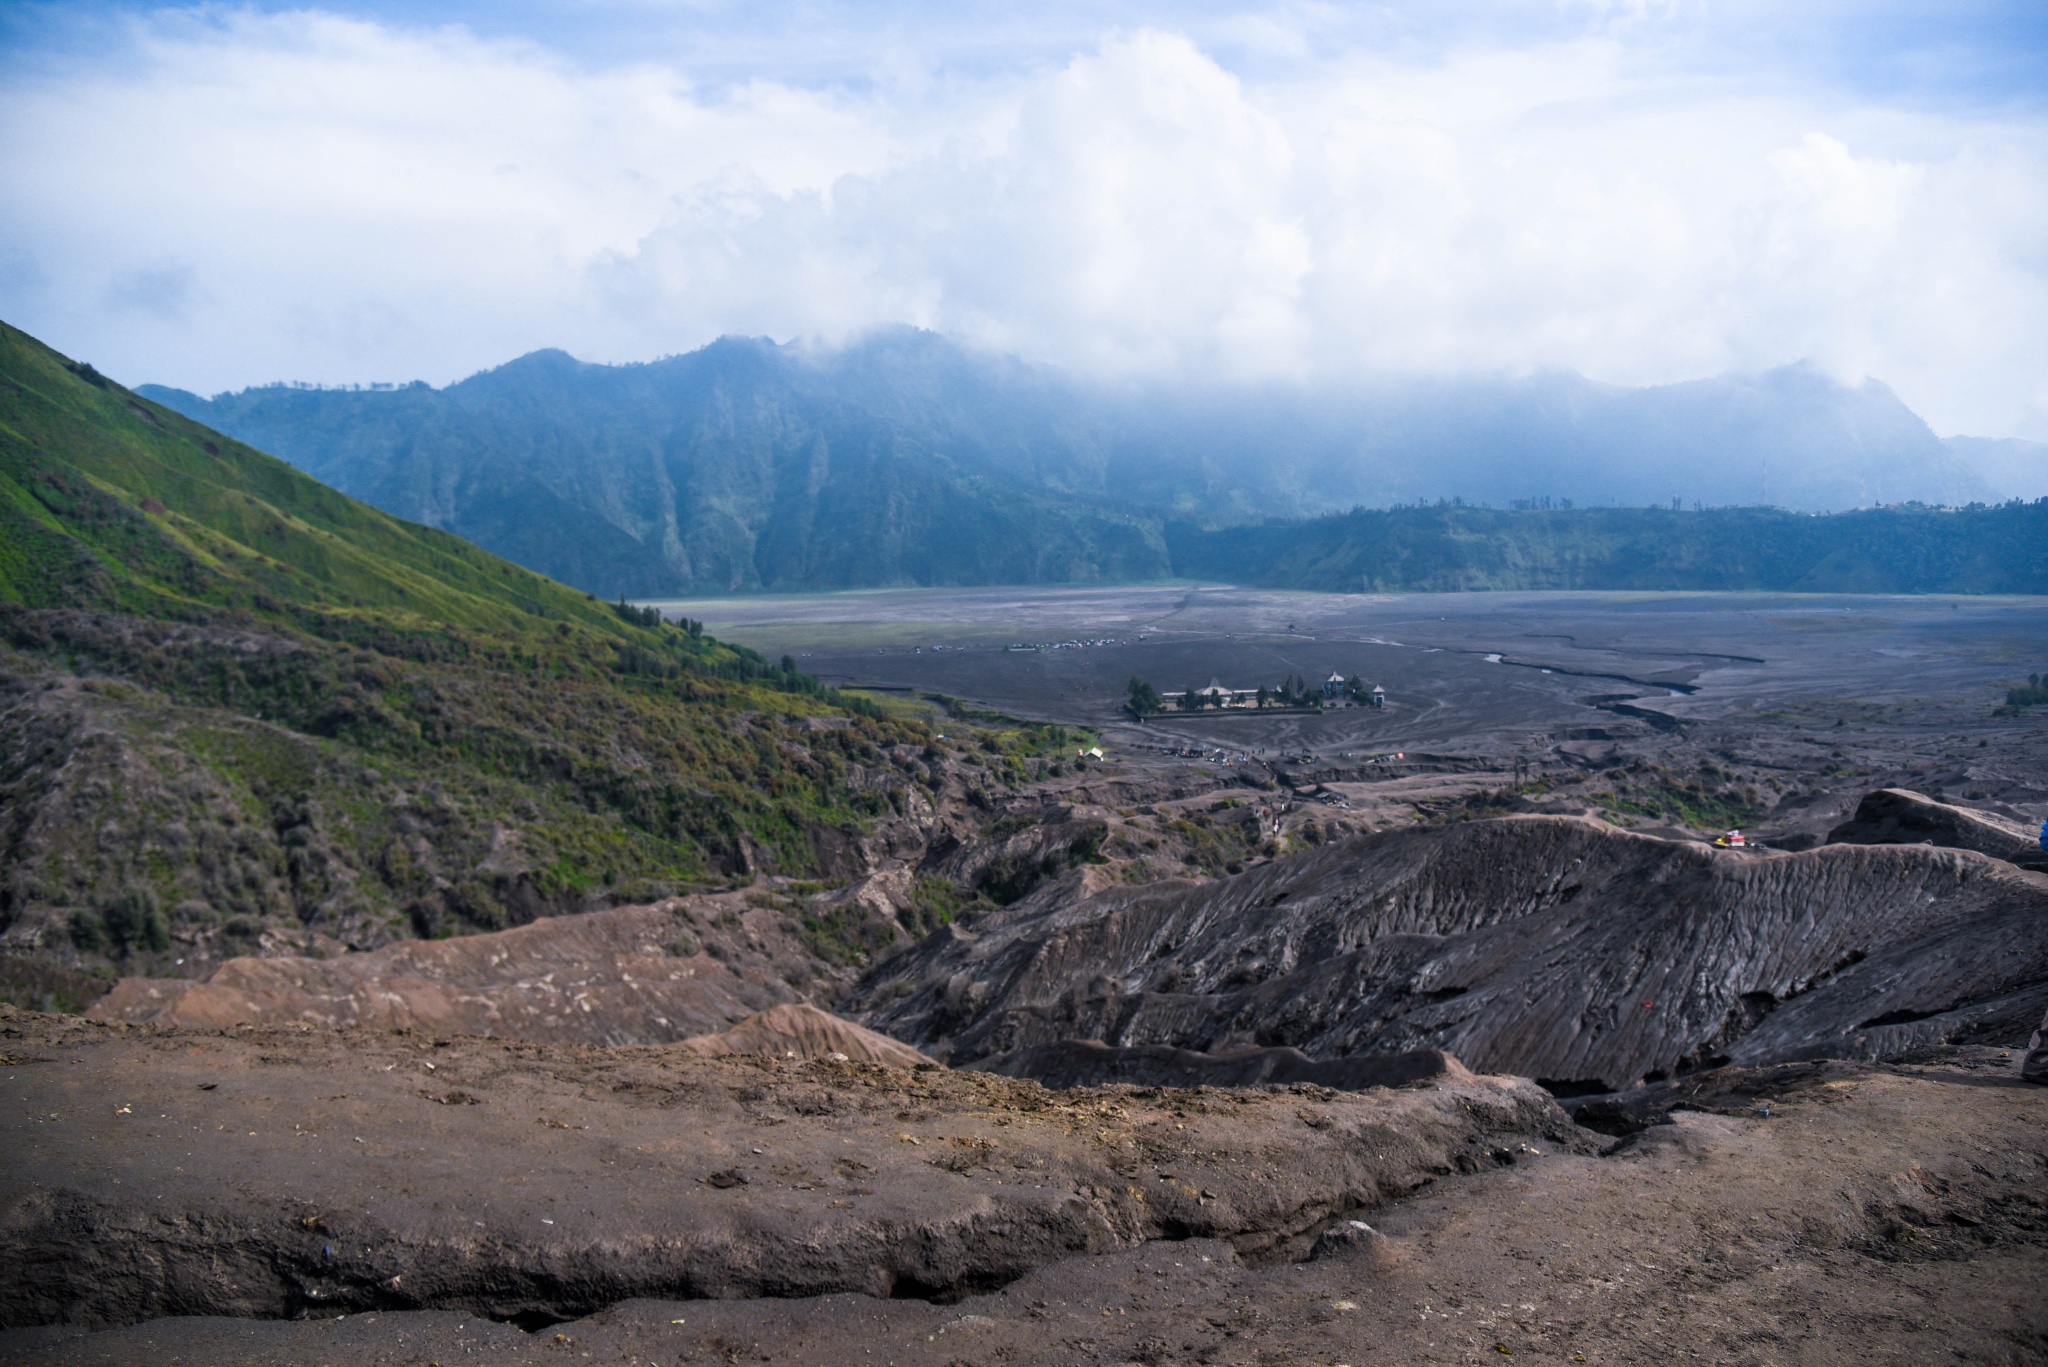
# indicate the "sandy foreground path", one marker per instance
pixel 1814 1213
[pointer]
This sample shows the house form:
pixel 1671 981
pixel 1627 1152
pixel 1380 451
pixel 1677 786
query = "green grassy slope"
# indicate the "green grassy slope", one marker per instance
pixel 237 707
pixel 236 528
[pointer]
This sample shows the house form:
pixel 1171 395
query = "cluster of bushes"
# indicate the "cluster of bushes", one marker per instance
pixel 1219 846
pixel 37 984
pixel 1652 793
pixel 935 902
pixel 2034 694
pixel 1144 699
pixel 132 920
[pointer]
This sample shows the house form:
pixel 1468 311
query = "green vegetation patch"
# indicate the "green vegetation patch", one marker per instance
pixel 2034 693
pixel 39 985
pixel 1453 547
pixel 1216 844
pixel 1700 803
pixel 936 902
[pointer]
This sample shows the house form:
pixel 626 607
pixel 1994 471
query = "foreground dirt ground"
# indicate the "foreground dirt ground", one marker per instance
pixel 1815 1213
pixel 285 1171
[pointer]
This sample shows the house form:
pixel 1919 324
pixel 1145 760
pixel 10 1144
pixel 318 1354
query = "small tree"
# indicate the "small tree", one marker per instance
pixel 1144 699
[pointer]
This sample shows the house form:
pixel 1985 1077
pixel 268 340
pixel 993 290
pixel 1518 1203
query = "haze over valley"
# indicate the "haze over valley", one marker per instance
pixel 907 459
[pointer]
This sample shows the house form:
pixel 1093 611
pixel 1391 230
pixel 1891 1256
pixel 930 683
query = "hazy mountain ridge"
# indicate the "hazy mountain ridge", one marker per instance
pixel 908 459
pixel 2015 468
pixel 738 466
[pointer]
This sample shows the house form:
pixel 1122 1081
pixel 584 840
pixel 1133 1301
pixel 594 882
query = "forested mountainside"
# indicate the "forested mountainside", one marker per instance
pixel 905 459
pixel 238 708
pixel 2000 549
pixel 736 467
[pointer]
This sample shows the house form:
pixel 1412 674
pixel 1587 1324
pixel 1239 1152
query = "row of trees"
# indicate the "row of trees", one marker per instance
pixel 651 618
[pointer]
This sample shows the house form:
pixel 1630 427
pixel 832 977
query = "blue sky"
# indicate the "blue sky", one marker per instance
pixel 223 195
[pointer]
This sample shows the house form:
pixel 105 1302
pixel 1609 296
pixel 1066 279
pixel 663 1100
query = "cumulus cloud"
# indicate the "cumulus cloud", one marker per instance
pixel 1258 197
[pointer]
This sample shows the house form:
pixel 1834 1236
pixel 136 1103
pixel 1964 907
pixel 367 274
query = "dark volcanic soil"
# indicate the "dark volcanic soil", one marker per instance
pixel 1813 1214
pixel 1786 708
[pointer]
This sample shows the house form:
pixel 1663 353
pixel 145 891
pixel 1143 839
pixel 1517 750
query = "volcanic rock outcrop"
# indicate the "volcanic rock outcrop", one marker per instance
pixel 1550 947
pixel 799 1031
pixel 1821 1212
pixel 1899 816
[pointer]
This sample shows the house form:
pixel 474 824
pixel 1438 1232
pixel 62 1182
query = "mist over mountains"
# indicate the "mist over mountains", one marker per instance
pixel 907 459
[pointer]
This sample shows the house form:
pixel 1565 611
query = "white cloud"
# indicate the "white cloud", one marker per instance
pixel 234 199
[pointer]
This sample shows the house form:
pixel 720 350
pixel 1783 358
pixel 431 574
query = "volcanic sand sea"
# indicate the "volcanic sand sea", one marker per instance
pixel 1829 694
pixel 1459 669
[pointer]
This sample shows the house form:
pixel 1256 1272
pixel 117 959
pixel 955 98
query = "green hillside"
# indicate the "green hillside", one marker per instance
pixel 112 501
pixel 237 707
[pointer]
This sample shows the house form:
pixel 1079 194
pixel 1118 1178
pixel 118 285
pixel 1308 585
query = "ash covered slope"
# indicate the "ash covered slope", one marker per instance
pixel 1549 947
pixel 628 975
pixel 1900 816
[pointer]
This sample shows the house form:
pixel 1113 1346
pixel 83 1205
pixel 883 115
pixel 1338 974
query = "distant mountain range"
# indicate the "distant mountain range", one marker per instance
pixel 907 459
pixel 740 466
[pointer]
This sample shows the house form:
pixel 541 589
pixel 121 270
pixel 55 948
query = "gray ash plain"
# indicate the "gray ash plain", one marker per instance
pixel 1817 698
